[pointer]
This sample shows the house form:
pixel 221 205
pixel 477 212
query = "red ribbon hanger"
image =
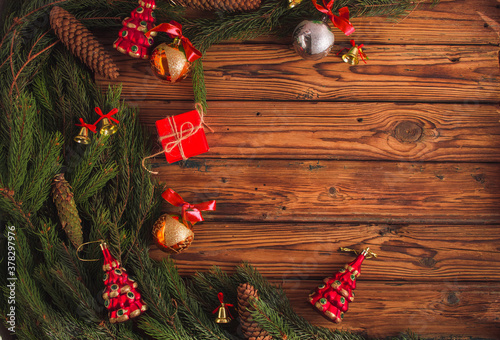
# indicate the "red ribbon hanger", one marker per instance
pixel 190 212
pixel 91 127
pixel 225 305
pixel 340 21
pixel 174 29
pixel 108 115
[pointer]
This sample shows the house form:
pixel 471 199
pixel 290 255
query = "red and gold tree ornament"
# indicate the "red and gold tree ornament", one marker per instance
pixel 173 234
pixel 331 298
pixel 131 38
pixel 172 62
pixel 121 297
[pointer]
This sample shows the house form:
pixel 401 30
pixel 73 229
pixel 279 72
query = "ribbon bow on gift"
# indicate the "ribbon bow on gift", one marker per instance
pixel 190 212
pixel 174 29
pixel 91 127
pixel 223 305
pixel 108 115
pixel 340 21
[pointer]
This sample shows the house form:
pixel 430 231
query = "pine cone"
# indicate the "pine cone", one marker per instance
pixel 225 5
pixel 66 209
pixel 82 43
pixel 250 328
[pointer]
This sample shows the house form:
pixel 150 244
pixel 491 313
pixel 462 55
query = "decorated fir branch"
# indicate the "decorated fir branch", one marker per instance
pixel 44 89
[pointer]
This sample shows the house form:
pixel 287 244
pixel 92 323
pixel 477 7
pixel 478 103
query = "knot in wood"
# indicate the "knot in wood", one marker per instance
pixel 407 132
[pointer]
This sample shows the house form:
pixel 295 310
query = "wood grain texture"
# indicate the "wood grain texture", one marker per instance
pixel 450 308
pixel 339 191
pixel 450 22
pixel 425 253
pixel 344 131
pixel 408 73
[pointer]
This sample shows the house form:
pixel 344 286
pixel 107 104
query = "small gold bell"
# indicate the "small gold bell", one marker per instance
pixel 352 57
pixel 107 128
pixel 293 3
pixel 83 136
pixel 222 316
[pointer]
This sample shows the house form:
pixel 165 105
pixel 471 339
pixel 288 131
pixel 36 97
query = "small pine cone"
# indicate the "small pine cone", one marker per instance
pixel 250 328
pixel 225 5
pixel 66 209
pixel 81 42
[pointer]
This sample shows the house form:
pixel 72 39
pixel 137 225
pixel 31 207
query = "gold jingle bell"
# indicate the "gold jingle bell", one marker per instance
pixel 293 3
pixel 83 136
pixel 352 57
pixel 107 128
pixel 222 316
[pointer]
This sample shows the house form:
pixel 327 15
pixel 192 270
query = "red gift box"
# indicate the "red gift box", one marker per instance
pixel 182 136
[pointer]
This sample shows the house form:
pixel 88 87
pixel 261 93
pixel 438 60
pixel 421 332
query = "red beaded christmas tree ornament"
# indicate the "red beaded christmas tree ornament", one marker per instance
pixel 121 296
pixel 332 297
pixel 132 40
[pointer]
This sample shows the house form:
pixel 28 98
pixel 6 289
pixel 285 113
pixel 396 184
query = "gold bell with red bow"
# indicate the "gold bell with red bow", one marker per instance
pixel 223 315
pixel 83 136
pixel 107 127
pixel 352 57
pixel 354 54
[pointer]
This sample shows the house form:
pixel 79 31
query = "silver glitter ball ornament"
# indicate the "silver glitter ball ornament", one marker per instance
pixel 313 39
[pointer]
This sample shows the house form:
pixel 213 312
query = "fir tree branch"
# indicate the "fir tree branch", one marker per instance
pixel 30 59
pixel 16 206
pixel 271 321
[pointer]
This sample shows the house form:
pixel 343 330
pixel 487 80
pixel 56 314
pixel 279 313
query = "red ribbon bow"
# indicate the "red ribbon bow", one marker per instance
pixel 225 305
pixel 190 212
pixel 174 29
pixel 340 21
pixel 91 127
pixel 108 115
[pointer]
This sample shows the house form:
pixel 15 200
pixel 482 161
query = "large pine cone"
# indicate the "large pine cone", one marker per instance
pixel 82 42
pixel 225 5
pixel 66 209
pixel 250 328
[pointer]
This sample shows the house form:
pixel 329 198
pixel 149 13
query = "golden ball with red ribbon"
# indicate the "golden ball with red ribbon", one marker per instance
pixel 174 234
pixel 172 62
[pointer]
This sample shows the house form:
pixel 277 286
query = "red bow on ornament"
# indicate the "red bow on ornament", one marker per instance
pixel 340 21
pixel 190 212
pixel 174 29
pixel 108 115
pixel 91 127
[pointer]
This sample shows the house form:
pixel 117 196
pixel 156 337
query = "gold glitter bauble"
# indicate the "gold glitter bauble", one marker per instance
pixel 170 235
pixel 169 63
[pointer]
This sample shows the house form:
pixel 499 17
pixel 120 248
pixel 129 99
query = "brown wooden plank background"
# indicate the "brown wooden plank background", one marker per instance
pixel 401 155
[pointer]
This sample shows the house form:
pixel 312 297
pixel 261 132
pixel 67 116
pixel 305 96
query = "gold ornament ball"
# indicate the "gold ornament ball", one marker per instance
pixel 169 63
pixel 170 235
